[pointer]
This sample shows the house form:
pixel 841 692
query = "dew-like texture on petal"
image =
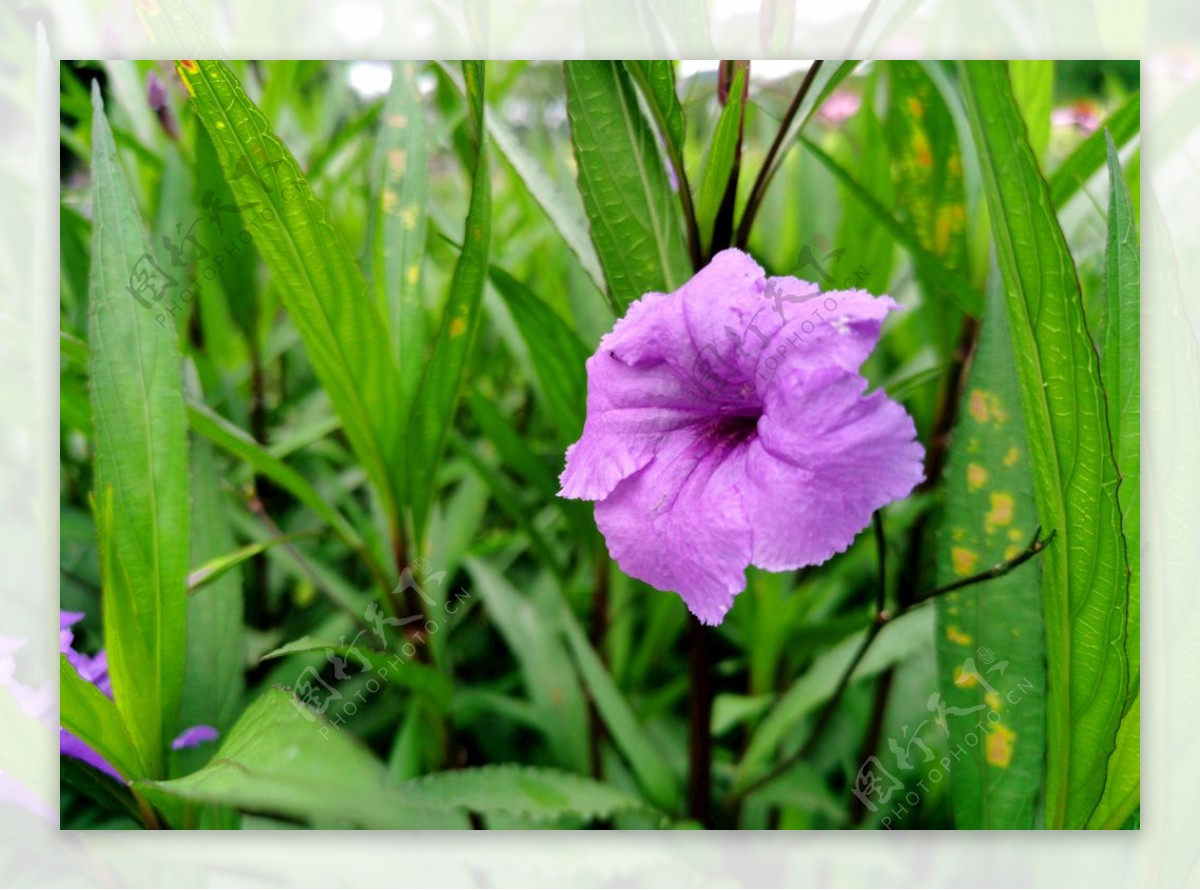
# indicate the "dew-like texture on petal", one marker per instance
pixel 728 425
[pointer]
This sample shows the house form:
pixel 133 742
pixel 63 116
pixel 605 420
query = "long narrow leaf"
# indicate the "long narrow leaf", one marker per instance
pixel 398 224
pixel 1088 158
pixel 441 384
pixel 952 284
pixel 323 289
pixel 634 217
pixel 90 715
pixel 141 463
pixel 1085 581
pixel 990 640
pixel 1120 367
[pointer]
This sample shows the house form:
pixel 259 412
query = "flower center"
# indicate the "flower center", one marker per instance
pixel 736 428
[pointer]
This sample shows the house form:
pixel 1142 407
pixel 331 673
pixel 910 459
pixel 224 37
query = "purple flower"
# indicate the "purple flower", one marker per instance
pixel 727 425
pixel 94 669
pixel 197 735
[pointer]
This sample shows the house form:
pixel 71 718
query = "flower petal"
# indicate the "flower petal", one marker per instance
pixel 197 735
pixel 75 747
pixel 678 524
pixel 825 459
pixel 629 411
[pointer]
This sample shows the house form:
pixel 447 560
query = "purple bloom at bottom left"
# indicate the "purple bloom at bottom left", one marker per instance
pixel 94 669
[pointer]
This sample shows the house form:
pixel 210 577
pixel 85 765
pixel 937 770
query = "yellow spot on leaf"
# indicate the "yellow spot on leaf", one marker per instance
pixel 958 534
pixel 973 445
pixel 993 701
pixel 408 217
pixel 397 162
pixel 457 327
pixel 1015 534
pixel 1003 506
pixel 979 405
pixel 1012 551
pixel 977 477
pixel 985 407
pixel 964 679
pixel 412 274
pixel 397 120
pixel 956 636
pixel 915 107
pixel 1000 746
pixel 1011 458
pixel 922 155
pixel 390 200
pixel 963 559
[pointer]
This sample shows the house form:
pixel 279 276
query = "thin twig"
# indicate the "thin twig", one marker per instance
pixel 1035 546
pixel 759 190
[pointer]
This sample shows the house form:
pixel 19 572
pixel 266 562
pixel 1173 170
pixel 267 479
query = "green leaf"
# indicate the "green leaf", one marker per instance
pixel 721 155
pixel 216 643
pixel 557 354
pixel 441 384
pixel 1085 578
pixel 320 285
pixel 398 222
pixel 899 639
pixel 633 214
pixel 1120 370
pixel 282 759
pixel 546 670
pixel 141 471
pixel 1123 124
pixel 92 716
pixel 531 792
pixel 990 639
pixel 951 284
pixel 651 770
pixel 102 788
pixel 239 443
pixel 213 570
pixel 1033 88
pixel 657 80
pixel 869 247
pixel 561 206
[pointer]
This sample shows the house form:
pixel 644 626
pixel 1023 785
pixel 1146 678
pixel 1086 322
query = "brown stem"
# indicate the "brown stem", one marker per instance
pixel 700 721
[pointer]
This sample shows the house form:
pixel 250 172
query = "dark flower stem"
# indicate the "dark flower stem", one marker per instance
pixel 700 721
pixel 1035 546
pixel 722 233
pixel 767 171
